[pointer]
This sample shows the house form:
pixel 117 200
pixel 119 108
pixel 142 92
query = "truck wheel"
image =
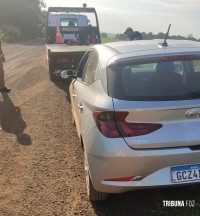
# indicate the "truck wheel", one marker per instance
pixel 51 69
pixel 93 195
pixel 51 74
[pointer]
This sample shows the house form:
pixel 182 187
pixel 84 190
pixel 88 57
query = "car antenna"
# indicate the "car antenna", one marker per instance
pixel 164 44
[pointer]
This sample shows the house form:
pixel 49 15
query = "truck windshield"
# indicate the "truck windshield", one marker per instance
pixel 70 22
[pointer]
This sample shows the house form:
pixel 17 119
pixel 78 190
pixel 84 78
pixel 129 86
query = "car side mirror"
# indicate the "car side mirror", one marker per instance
pixel 68 74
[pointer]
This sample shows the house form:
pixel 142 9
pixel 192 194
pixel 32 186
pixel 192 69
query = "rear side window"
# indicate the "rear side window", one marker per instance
pixel 157 81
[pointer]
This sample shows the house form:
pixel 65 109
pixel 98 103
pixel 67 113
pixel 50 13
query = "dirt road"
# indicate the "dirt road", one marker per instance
pixel 41 160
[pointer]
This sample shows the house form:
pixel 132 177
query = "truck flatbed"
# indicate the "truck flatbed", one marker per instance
pixel 60 48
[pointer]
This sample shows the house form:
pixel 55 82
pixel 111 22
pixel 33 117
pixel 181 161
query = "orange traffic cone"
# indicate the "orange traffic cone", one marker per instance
pixel 58 35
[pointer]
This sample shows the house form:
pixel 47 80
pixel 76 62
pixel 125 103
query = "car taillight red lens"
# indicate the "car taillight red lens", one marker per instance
pixel 112 124
pixel 136 129
pixel 105 121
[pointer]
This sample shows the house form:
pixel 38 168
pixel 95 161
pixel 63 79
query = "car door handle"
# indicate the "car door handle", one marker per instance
pixel 80 106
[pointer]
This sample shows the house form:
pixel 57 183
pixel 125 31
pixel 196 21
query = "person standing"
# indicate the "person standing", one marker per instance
pixel 3 88
pixel 133 35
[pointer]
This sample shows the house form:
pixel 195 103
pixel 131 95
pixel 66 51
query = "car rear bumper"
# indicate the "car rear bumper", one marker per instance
pixel 151 167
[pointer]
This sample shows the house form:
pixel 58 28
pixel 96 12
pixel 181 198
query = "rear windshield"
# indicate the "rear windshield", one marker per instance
pixel 166 80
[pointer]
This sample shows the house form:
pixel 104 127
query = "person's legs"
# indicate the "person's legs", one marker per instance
pixel 2 82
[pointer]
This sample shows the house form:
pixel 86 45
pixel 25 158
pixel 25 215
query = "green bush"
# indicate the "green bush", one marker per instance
pixel 9 33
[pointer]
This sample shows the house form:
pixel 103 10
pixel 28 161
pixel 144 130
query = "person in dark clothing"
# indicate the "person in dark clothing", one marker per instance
pixel 3 88
pixel 133 35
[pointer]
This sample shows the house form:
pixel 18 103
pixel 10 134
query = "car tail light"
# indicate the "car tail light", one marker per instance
pixel 112 124
pixel 105 122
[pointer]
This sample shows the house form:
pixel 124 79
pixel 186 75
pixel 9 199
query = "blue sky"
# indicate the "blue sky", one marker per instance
pixel 143 15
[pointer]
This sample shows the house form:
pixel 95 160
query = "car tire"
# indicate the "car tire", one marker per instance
pixel 94 196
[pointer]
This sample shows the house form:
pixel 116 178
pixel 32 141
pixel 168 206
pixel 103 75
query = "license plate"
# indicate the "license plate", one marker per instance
pixel 185 173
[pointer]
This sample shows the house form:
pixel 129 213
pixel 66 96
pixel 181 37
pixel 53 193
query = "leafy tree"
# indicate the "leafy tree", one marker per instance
pixel 160 35
pixel 25 15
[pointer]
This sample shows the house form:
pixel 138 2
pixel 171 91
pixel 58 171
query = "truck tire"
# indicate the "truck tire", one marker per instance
pixel 94 196
pixel 51 73
pixel 52 76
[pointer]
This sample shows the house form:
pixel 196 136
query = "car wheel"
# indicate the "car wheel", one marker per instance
pixel 93 195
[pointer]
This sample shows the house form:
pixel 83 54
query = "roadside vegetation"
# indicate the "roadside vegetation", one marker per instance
pixel 21 19
pixel 106 37
pixel 108 40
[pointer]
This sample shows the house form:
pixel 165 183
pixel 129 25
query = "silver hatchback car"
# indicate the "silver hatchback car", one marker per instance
pixel 136 107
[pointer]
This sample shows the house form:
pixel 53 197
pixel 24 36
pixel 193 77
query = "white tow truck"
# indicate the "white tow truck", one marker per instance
pixel 70 31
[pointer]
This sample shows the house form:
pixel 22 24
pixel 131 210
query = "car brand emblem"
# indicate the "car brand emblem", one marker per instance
pixel 193 113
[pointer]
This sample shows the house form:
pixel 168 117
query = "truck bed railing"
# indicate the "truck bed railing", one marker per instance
pixel 71 9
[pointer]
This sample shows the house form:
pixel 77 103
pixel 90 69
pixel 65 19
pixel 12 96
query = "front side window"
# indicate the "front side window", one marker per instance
pixel 166 80
pixel 90 72
pixel 82 65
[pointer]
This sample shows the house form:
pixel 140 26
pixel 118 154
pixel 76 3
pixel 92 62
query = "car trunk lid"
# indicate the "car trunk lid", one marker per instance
pixel 165 124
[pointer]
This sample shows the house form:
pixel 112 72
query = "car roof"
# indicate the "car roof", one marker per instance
pixel 117 52
pixel 142 45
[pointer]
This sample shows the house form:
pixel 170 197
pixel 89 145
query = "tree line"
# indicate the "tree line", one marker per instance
pixel 21 19
pixel 150 35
